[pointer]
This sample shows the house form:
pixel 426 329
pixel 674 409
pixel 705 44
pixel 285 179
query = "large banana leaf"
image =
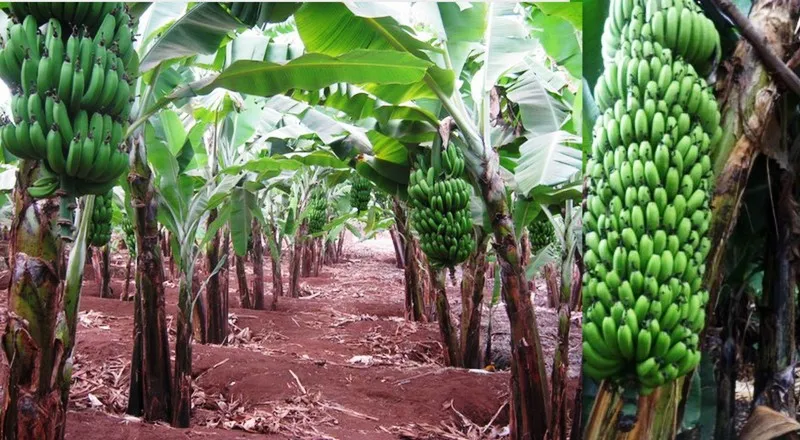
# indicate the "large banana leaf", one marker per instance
pixel 559 37
pixel 336 29
pixel 312 71
pixel 547 160
pixel 240 220
pixel 541 112
pixel 200 31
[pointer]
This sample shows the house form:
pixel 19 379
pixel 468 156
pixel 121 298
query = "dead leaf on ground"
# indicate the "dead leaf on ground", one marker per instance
pixel 766 423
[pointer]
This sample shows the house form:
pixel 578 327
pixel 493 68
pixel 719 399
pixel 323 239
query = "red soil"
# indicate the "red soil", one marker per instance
pixel 355 308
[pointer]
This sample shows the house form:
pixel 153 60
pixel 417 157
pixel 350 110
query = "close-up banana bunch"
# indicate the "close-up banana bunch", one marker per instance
pixel 440 209
pixel 541 233
pixel 317 213
pixel 647 210
pixel 71 68
pixel 100 226
pixel 360 193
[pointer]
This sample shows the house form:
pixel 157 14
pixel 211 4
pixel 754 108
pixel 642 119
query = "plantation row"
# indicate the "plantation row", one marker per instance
pixel 212 137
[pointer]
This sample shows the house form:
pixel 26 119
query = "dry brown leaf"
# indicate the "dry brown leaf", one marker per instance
pixel 765 424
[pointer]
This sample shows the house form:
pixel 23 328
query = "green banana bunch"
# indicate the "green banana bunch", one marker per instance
pixel 71 91
pixel 100 227
pixel 360 193
pixel 679 25
pixel 317 213
pixel 440 209
pixel 89 14
pixel 130 235
pixel 541 233
pixel 647 211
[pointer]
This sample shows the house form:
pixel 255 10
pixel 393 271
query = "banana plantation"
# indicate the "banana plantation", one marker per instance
pixel 304 220
pixel 690 224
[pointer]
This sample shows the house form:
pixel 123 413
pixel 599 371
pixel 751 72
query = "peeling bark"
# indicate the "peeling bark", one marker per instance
pixel 35 336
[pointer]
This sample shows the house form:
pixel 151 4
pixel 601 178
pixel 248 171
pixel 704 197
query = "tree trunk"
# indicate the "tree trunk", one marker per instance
pixel 776 345
pixel 446 330
pixel 154 368
pixel 415 297
pixel 199 311
pixel 33 345
pixel 397 242
pixel 296 261
pixel 126 293
pixel 307 256
pixel 727 368
pixel 258 267
pixel 530 410
pixel 182 378
pixel 225 280
pixel 105 272
pixel 473 280
pixel 316 255
pixel 569 286
pixel 136 388
pixel 340 246
pixel 273 244
pixel 241 277
pixel 217 318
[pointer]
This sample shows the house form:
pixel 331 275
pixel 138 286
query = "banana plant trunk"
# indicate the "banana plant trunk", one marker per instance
pixel 296 261
pixel 217 315
pixel 125 296
pixel 258 266
pixel 244 291
pixel 530 410
pixel 182 378
pixel 225 277
pixel 34 338
pixel 415 297
pixel 150 360
pixel 569 286
pixel 397 243
pixel 473 280
pixel 199 311
pixel 446 330
pixel 776 346
pixel 273 242
pixel 105 272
